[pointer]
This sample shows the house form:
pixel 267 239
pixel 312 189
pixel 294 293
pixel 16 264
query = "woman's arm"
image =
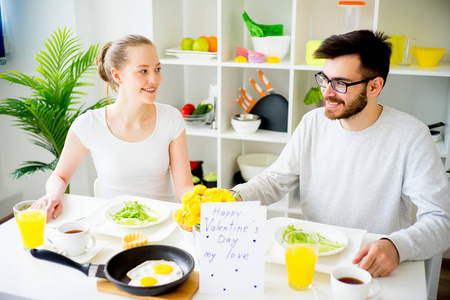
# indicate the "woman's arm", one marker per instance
pixel 71 157
pixel 179 164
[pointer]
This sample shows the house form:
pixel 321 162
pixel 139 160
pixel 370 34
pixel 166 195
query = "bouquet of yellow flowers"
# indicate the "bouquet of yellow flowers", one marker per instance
pixel 189 215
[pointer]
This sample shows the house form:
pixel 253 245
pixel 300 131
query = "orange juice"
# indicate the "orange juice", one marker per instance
pixel 300 262
pixel 31 225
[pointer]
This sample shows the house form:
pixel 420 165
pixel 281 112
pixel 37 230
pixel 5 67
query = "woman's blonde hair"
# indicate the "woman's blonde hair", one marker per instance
pixel 115 55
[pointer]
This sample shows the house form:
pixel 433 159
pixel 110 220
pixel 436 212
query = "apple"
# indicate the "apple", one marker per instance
pixel 200 44
pixel 186 44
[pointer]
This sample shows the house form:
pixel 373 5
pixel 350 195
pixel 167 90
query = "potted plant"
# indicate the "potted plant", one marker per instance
pixel 47 114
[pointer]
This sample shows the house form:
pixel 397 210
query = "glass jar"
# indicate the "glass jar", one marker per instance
pixel 349 15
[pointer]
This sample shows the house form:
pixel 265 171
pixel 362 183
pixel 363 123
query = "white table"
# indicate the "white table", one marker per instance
pixel 22 275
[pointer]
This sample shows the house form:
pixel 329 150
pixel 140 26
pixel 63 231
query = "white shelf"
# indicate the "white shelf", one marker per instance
pixel 426 95
pixel 284 64
pixel 441 70
pixel 205 131
pixel 441 148
pixel 177 61
pixel 261 136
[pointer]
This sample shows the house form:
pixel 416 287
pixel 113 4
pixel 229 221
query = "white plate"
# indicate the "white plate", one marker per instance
pixel 325 264
pixel 191 55
pixel 179 51
pixel 326 231
pixel 154 233
pixel 162 210
pixel 85 257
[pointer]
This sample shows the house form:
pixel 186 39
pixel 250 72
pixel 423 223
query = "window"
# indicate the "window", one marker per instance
pixel 2 42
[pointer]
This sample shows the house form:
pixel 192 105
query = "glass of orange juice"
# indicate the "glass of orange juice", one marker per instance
pixel 301 249
pixel 31 216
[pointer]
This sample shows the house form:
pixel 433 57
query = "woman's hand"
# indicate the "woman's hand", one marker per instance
pixel 54 205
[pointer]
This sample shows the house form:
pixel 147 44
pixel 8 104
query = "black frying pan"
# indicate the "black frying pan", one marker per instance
pixel 273 110
pixel 116 268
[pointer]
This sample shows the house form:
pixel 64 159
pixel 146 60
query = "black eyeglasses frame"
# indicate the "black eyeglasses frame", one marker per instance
pixel 330 81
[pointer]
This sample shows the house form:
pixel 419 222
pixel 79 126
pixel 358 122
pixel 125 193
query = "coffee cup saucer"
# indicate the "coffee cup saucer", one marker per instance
pixel 85 257
pixel 374 289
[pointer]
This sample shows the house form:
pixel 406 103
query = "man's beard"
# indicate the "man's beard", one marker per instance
pixel 351 109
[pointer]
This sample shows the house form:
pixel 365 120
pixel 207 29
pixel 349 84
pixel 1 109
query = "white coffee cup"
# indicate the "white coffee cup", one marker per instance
pixel 74 238
pixel 343 289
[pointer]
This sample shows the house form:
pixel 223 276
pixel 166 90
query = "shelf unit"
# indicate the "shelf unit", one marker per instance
pixel 422 92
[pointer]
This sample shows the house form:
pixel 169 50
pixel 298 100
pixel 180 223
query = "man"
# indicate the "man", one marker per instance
pixel 360 164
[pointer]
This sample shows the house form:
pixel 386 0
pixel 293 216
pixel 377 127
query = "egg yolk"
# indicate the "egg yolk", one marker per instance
pixel 162 269
pixel 148 281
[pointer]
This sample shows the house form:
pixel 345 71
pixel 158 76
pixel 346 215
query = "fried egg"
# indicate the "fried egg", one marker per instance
pixel 154 272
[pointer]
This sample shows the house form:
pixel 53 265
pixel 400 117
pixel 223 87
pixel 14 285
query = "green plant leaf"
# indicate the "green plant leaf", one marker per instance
pixel 55 101
pixel 314 95
pixel 31 167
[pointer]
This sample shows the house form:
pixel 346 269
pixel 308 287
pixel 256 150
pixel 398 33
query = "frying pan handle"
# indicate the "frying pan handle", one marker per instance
pixel 436 125
pixel 97 271
pixel 60 259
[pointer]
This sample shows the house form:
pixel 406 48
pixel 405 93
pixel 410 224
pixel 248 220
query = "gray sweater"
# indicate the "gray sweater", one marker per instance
pixel 365 179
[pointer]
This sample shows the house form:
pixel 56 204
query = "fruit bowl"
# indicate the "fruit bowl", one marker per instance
pixel 196 120
pixel 428 57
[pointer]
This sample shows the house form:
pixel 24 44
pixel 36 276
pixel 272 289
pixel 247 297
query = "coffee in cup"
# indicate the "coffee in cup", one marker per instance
pixel 350 283
pixel 75 238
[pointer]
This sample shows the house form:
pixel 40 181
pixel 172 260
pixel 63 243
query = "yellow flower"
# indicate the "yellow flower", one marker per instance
pixel 187 197
pixel 190 219
pixel 199 189
pixel 178 216
pixel 189 214
pixel 194 206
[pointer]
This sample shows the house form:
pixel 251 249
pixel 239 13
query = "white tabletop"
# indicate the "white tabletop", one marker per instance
pixel 23 276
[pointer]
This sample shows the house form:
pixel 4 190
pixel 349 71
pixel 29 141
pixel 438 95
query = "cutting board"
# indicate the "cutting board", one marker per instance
pixel 273 110
pixel 184 292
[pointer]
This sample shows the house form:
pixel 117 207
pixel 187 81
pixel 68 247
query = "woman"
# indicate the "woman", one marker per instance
pixel 135 143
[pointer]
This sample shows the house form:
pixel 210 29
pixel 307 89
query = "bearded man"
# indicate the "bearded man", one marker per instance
pixel 363 165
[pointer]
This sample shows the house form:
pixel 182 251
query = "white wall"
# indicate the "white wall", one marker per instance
pixel 31 23
pixel 29 26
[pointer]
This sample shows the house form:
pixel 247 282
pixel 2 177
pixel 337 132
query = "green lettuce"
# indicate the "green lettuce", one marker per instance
pixel 135 214
pixel 326 245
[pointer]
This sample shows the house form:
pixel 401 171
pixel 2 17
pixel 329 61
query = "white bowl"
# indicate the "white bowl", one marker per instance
pixel 254 163
pixel 436 134
pixel 245 123
pixel 270 46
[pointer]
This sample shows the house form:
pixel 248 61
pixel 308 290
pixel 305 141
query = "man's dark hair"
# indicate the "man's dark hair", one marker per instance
pixel 373 48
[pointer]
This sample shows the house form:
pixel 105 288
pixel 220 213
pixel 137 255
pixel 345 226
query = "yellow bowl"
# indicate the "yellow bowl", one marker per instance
pixel 428 57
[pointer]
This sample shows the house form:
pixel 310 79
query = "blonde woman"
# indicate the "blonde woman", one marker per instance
pixel 138 146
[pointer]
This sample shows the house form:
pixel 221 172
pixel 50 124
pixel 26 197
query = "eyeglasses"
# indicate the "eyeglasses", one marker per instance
pixel 337 85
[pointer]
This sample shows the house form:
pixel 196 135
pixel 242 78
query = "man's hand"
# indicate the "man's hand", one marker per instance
pixel 379 258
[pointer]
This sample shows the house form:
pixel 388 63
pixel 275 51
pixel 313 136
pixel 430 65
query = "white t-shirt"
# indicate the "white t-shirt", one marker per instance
pixel 131 168
pixel 365 179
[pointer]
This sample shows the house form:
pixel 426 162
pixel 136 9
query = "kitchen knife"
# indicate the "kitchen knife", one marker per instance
pixel 266 82
pixel 250 102
pixel 242 104
pixel 257 88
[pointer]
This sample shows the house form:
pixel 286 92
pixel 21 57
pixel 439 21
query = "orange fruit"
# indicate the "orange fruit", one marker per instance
pixel 212 41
